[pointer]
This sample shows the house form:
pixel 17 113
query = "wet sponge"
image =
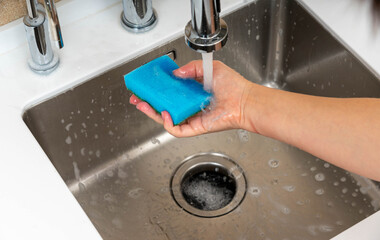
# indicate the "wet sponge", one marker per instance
pixel 155 83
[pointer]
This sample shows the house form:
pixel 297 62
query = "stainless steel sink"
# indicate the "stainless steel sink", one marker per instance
pixel 120 165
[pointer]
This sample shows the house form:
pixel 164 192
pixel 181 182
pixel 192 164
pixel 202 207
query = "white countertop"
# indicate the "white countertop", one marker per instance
pixel 34 201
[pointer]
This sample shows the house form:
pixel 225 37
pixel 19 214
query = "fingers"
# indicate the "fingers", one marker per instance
pixel 192 127
pixel 188 129
pixel 193 69
pixel 147 110
pixel 164 119
pixel 134 100
pixel 176 131
pixel 167 121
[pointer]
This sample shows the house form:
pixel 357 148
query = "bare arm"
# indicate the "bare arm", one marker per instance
pixel 345 132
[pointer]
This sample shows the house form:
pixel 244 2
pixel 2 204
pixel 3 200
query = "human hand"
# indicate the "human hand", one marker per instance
pixel 226 110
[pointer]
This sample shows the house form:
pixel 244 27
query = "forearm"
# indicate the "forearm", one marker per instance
pixel 345 132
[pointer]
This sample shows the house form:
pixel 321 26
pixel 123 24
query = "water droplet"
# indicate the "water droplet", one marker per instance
pixel 289 188
pixel 343 179
pixel 257 37
pixel 108 197
pixel 68 126
pixel 326 165
pixel 255 191
pixel 82 151
pixel 344 190
pixel 319 191
pixel 319 177
pixel 273 163
pixel 285 210
pixel 97 153
pixel 326 228
pixel 76 171
pixel 68 140
pixel 313 169
pixel 155 140
pixel 135 193
pixel 243 135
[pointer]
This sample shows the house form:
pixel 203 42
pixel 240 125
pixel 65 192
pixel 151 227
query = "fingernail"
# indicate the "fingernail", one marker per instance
pixel 179 72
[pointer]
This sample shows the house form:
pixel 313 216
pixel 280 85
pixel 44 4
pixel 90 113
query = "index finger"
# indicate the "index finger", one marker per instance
pixel 193 69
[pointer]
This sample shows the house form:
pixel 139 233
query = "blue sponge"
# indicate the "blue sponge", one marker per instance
pixel 155 83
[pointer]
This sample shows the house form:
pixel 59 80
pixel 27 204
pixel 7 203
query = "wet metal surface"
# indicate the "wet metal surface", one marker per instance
pixel 118 163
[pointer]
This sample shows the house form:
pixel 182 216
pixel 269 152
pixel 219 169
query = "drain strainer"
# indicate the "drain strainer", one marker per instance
pixel 208 185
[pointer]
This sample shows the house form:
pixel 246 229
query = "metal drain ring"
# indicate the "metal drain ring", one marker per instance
pixel 208 160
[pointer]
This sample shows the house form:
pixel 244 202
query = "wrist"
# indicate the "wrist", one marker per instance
pixel 253 107
pixel 247 119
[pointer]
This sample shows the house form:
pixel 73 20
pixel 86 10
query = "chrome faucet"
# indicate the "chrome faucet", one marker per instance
pixel 138 15
pixel 43 60
pixel 206 32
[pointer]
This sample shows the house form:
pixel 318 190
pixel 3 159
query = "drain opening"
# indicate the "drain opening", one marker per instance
pixel 208 189
pixel 208 185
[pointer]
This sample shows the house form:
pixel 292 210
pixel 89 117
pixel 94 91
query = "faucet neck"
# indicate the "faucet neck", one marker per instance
pixel 32 8
pixel 205 17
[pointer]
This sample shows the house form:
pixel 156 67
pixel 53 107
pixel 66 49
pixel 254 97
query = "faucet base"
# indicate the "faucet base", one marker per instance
pixel 46 68
pixel 139 28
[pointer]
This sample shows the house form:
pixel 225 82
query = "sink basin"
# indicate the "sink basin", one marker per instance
pixel 126 171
